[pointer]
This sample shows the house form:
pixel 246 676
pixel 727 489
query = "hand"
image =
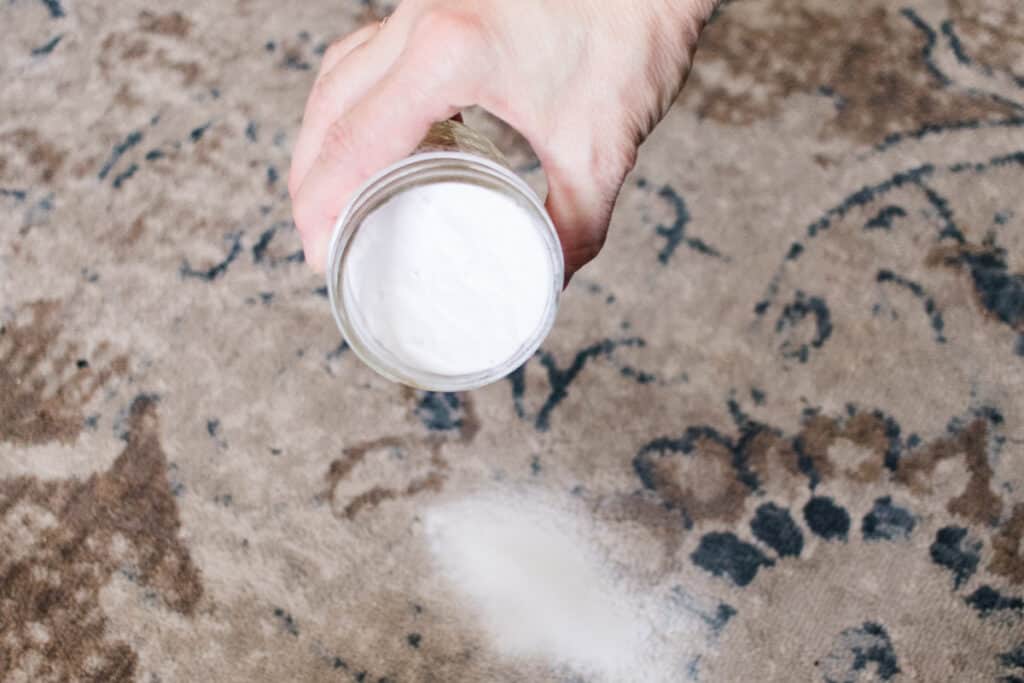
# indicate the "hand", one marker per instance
pixel 584 81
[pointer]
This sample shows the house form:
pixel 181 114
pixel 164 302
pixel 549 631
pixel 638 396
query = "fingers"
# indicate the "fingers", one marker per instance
pixel 380 129
pixel 339 49
pixel 350 69
pixel 445 56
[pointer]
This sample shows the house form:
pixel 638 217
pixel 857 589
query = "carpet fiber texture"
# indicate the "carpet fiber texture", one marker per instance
pixel 776 435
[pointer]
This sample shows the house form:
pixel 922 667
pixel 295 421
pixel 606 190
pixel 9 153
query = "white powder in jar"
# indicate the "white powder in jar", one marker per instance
pixel 451 278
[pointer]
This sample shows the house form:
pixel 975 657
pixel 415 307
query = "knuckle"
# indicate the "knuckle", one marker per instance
pixel 335 51
pixel 339 143
pixel 296 177
pixel 449 40
pixel 447 24
pixel 302 225
pixel 319 96
pixel 301 216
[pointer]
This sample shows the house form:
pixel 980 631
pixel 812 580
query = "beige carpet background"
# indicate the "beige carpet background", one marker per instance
pixel 786 401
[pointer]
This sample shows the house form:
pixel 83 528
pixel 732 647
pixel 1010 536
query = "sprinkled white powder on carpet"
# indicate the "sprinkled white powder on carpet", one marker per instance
pixel 533 576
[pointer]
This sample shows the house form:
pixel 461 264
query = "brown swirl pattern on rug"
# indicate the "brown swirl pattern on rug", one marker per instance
pixel 65 541
pixel 44 385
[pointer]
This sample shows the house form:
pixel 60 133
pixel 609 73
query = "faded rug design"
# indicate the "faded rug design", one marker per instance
pixel 776 435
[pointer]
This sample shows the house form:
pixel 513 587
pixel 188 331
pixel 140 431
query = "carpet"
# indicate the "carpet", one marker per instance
pixel 776 435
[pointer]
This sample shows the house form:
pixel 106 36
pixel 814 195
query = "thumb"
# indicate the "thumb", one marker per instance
pixel 581 195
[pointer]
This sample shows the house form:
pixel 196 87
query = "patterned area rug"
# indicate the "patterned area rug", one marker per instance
pixel 777 434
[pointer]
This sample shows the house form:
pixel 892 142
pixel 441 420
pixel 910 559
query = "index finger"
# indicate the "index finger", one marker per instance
pixel 375 134
pixel 424 86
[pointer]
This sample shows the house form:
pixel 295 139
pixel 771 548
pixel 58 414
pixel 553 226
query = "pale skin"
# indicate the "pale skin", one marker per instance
pixel 584 81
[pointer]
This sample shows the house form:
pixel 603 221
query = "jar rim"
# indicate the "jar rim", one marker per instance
pixel 425 168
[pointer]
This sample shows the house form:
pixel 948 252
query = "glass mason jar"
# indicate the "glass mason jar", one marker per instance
pixel 451 152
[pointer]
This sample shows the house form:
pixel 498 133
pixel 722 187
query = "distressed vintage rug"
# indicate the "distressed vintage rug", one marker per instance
pixel 777 434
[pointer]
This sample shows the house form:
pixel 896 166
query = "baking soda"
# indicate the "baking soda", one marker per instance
pixel 538 585
pixel 451 278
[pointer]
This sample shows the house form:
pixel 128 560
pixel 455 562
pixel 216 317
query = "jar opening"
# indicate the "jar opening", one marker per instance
pixel 400 328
